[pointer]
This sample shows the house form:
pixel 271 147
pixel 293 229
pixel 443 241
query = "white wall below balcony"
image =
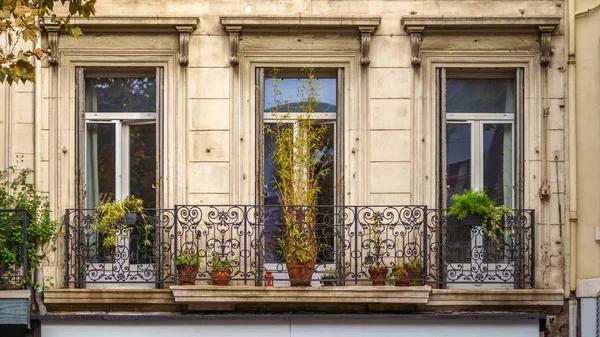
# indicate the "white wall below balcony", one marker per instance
pixel 295 328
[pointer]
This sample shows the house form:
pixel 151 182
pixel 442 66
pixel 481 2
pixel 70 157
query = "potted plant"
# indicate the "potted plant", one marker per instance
pixel 400 275
pixel 378 271
pixel 414 272
pixel 475 208
pixel 221 269
pixel 113 220
pixel 188 263
pixel 329 277
pixel 297 177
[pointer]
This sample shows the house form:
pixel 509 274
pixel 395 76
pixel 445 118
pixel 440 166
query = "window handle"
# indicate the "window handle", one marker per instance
pixel 153 186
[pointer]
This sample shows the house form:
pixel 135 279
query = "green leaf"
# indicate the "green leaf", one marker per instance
pixel 73 7
pixel 76 32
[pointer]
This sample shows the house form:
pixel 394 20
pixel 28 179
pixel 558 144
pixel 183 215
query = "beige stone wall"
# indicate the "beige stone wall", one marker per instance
pixel 208 160
pixel 587 52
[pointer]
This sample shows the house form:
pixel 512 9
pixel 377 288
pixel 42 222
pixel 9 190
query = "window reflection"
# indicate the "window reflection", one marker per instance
pixel 120 94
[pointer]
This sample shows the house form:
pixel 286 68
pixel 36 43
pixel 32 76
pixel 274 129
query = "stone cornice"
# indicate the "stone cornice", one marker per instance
pixel 132 24
pixel 181 25
pixel 415 26
pixel 365 26
pixel 301 21
pixel 479 22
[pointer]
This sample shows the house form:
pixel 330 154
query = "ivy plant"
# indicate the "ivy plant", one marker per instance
pixel 19 194
pixel 477 202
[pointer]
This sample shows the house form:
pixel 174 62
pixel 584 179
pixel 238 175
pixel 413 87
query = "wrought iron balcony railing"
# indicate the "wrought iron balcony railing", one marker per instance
pixel 350 244
pixel 14 263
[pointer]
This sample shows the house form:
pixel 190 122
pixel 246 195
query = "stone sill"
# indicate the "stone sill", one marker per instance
pixel 356 294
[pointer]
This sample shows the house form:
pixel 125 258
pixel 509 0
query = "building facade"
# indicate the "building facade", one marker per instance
pixel 418 101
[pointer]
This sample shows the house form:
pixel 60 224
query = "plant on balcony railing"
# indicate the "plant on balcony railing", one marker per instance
pixel 33 212
pixel 472 202
pixel 113 220
pixel 298 174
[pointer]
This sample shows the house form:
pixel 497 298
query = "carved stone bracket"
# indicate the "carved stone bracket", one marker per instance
pixel 53 44
pixel 184 44
pixel 234 41
pixel 545 47
pixel 415 44
pixel 365 44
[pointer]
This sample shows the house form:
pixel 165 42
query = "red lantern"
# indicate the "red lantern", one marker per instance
pixel 269 279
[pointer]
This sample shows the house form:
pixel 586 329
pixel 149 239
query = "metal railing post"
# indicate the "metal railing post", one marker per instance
pixel 425 249
pixel 532 244
pixel 26 272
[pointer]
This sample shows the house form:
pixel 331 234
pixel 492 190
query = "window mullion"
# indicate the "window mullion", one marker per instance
pixel 118 160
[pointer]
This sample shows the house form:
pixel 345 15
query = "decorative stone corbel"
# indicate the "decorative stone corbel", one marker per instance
pixel 184 44
pixel 234 41
pixel 545 47
pixel 53 44
pixel 365 44
pixel 415 44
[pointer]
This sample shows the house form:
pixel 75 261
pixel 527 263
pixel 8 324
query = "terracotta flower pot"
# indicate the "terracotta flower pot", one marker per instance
pixel 300 273
pixel 378 275
pixel 400 279
pixel 221 278
pixel 187 274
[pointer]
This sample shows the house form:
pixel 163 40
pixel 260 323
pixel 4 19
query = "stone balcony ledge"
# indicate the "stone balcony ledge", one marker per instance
pixel 357 299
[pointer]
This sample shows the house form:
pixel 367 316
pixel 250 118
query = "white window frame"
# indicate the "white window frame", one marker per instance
pixel 477 122
pixel 122 121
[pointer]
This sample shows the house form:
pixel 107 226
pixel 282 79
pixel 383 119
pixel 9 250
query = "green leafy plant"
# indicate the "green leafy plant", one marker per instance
pixel 472 202
pixel 189 258
pixel 19 194
pixel 221 263
pixel 328 278
pixel 399 275
pixel 376 240
pixel 20 23
pixel 415 270
pixel 297 168
pixel 109 219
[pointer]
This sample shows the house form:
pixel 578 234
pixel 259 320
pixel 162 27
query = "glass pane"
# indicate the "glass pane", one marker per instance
pixel 120 94
pixel 497 162
pixel 142 181
pixel 100 175
pixel 458 160
pixel 458 172
pixel 290 94
pixel 142 163
pixel 272 213
pixel 324 159
pixel 492 95
pixel 100 163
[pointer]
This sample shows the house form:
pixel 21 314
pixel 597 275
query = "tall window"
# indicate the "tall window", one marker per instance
pixel 280 97
pixel 120 136
pixel 118 150
pixel 481 116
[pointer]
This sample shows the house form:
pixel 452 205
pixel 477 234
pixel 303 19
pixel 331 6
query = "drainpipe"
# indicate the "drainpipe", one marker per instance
pixel 37 108
pixel 572 149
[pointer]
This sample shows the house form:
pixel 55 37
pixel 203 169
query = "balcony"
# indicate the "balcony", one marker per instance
pixel 14 264
pixel 351 241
